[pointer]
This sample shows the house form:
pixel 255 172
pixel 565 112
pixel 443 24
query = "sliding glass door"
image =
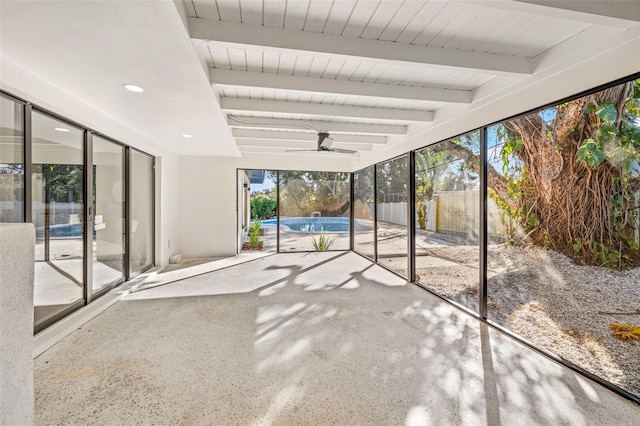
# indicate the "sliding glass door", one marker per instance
pixel 58 179
pixel 108 242
pixel 11 161
pixel 141 208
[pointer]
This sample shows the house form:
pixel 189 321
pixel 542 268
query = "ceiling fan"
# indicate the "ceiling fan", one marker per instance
pixel 325 141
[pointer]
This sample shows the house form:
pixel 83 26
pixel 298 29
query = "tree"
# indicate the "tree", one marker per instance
pixel 571 175
pixel 302 193
pixel 263 205
pixel 65 182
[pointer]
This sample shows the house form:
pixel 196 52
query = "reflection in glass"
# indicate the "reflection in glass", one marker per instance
pixel 564 233
pixel 314 211
pixel 11 161
pixel 108 206
pixel 58 211
pixel 447 213
pixel 391 205
pixel 141 221
pixel 364 231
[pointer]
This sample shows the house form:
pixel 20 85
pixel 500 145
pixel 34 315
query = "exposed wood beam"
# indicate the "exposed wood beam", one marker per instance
pixel 246 36
pixel 321 126
pixel 336 87
pixel 305 136
pixel 285 144
pixel 612 13
pixel 283 107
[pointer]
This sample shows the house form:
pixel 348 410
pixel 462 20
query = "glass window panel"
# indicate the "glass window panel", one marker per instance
pixel 11 161
pixel 363 205
pixel 447 216
pixel 108 206
pixel 141 223
pixel 263 202
pixel 58 212
pixel 314 211
pixel 564 185
pixel 391 205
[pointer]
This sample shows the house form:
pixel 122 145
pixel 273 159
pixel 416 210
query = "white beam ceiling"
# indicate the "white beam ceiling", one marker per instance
pixel 338 87
pixel 305 136
pixel 620 14
pixel 448 58
pixel 320 126
pixel 284 107
pixel 245 36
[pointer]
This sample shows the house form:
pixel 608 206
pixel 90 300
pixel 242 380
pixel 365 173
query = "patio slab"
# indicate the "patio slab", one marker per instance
pixel 314 338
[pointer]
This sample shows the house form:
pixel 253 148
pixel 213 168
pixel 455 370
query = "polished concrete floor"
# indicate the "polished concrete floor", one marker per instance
pixel 305 339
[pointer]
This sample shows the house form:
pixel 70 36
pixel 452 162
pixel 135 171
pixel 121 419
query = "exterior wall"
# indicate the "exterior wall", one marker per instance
pixel 17 242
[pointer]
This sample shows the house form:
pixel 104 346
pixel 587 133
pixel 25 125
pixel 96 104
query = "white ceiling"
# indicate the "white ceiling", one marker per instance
pixel 381 76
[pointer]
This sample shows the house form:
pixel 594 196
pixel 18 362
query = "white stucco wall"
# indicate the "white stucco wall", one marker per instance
pixel 17 242
pixel 207 206
pixel 167 208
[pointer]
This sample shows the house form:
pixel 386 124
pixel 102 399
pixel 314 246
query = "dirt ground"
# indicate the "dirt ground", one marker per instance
pixel 546 298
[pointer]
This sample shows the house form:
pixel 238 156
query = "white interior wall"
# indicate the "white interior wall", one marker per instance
pixel 167 208
pixel 207 196
pixel 207 200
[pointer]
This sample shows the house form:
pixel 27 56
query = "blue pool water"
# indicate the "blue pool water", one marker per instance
pixel 310 224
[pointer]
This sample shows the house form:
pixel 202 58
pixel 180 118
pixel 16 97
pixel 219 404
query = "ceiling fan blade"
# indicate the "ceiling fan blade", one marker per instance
pixel 343 151
pixel 301 150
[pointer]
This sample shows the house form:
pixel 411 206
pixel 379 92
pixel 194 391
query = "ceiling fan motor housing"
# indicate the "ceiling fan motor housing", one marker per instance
pixel 324 141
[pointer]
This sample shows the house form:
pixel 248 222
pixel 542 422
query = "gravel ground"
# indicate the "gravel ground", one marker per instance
pixel 546 298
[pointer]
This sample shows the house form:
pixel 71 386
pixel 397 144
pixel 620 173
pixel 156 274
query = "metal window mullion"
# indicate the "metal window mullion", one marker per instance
pixel 46 182
pixel 375 213
pixel 411 217
pixel 351 212
pixel 153 211
pixel 127 214
pixel 482 290
pixel 88 216
pixel 278 211
pixel 27 193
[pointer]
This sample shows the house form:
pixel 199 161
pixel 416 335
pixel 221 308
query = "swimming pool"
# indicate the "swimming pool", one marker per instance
pixel 310 224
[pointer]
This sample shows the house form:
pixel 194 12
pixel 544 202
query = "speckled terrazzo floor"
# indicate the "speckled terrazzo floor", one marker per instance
pixel 305 339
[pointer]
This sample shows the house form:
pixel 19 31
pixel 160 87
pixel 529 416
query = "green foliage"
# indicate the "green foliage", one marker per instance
pixel 547 239
pixel 254 241
pixel 511 147
pixel 577 245
pixel 323 243
pixel 591 153
pixel 254 234
pixel 255 228
pixel 605 256
pixel 302 193
pixel 617 138
pixel 65 182
pixel 607 112
pixel 263 205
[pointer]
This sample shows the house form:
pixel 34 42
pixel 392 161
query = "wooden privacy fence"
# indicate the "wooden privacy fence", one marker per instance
pixel 455 213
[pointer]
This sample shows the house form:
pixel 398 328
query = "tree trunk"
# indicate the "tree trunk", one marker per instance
pixel 563 202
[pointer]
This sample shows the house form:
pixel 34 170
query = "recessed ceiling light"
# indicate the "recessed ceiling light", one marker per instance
pixel 61 129
pixel 186 135
pixel 133 88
